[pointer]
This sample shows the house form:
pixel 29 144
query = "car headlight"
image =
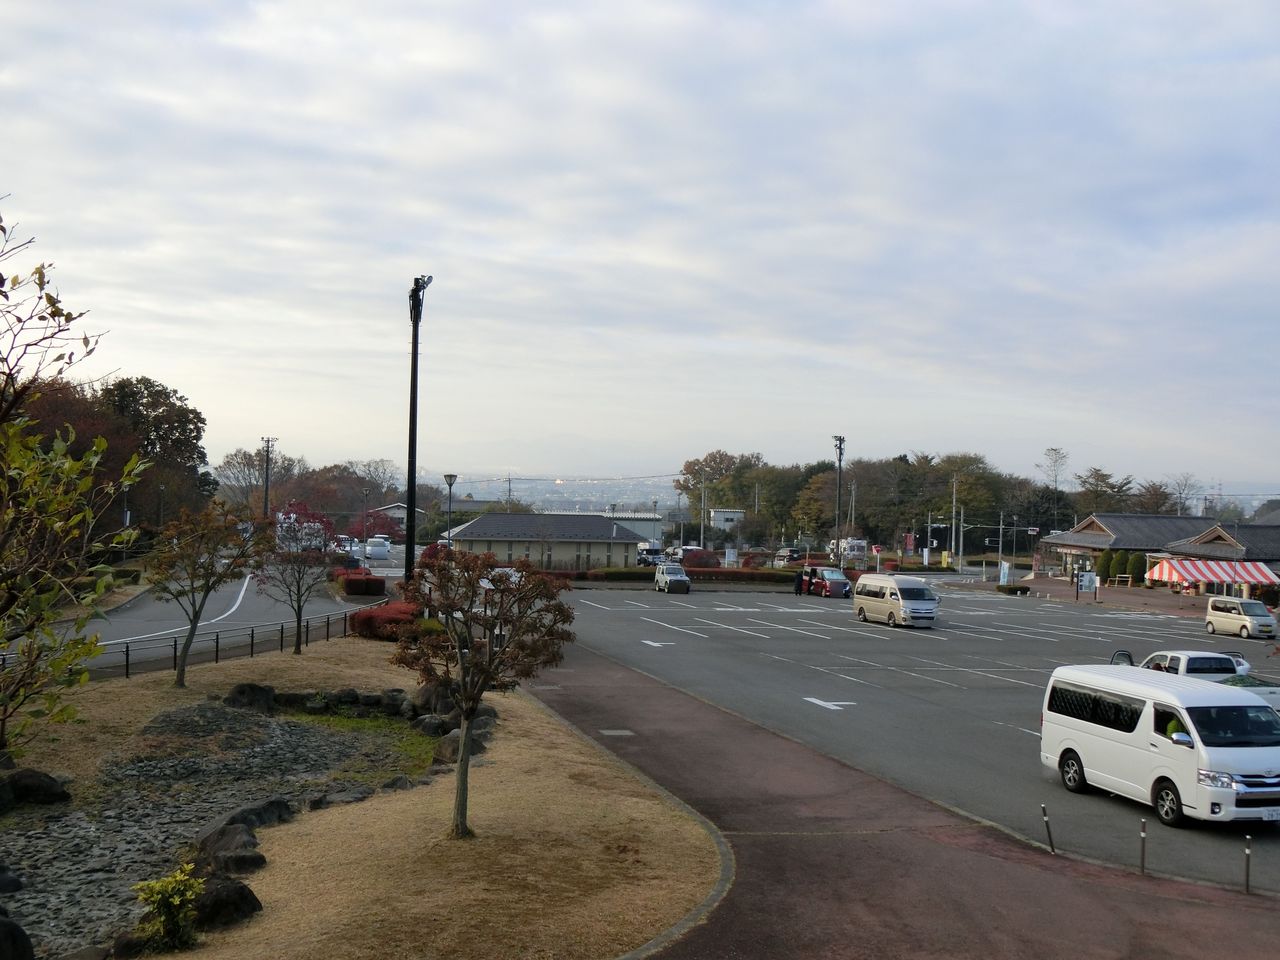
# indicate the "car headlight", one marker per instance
pixel 1212 778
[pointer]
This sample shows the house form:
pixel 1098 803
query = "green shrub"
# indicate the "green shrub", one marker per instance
pixel 1120 563
pixel 1103 565
pixel 170 923
pixel 620 573
pixel 1137 567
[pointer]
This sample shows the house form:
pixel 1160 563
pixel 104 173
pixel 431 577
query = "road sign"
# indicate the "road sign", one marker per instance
pixel 876 548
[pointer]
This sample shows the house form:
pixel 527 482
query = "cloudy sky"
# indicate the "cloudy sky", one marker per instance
pixel 658 229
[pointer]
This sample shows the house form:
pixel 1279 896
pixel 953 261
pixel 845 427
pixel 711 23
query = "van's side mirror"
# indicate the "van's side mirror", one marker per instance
pixel 1182 739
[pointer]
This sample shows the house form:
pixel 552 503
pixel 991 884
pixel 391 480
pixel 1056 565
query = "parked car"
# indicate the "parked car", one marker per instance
pixel 827 582
pixel 1247 618
pixel 648 556
pixel 671 578
pixel 786 556
pixel 1205 664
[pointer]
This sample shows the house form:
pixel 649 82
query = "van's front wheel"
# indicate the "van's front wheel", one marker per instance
pixel 1071 769
pixel 1244 633
pixel 1168 803
pixel 893 621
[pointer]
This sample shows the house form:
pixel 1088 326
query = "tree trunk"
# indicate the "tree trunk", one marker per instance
pixel 459 829
pixel 181 679
pixel 297 635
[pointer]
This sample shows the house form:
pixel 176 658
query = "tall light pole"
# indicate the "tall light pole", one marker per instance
pixel 364 515
pixel 680 514
pixel 266 476
pixel 450 479
pixel 839 481
pixel 657 521
pixel 419 290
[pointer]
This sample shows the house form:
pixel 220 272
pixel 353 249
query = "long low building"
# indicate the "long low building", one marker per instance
pixel 550 541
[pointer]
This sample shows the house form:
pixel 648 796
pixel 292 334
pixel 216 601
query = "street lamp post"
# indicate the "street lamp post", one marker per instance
pixel 450 479
pixel 657 521
pixel 266 477
pixel 680 514
pixel 416 295
pixel 364 540
pixel 839 480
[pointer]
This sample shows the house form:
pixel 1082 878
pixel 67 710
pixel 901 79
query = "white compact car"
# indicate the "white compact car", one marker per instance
pixel 671 578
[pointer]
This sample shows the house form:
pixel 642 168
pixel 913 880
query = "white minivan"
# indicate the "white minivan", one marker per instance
pixel 376 548
pixel 894 599
pixel 1187 747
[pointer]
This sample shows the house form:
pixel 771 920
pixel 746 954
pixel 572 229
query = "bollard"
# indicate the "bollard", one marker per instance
pixel 282 638
pixel 306 634
pixel 1142 848
pixel 251 643
pixel 217 646
pixel 1047 829
pixel 1248 844
pixel 126 661
pixel 175 654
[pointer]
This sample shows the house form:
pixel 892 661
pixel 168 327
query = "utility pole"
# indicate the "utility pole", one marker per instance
pixel 266 476
pixel 416 295
pixel 953 515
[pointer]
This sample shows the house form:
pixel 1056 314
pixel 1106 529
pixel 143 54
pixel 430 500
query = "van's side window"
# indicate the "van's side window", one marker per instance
pixel 1167 722
pixel 1096 706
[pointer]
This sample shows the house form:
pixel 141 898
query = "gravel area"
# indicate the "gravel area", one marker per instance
pixel 78 862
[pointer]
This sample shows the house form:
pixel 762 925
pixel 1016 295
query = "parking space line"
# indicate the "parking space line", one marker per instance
pixel 670 627
pixel 637 603
pixel 681 603
pixel 725 626
pixel 778 626
pixel 909 673
pixel 598 606
pixel 992 676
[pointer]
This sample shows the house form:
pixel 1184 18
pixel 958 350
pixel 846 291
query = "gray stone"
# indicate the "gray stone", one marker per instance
pixel 450 746
pixel 233 836
pixel 431 725
pixel 347 695
pixel 244 860
pixel 398 783
pixel 33 786
pixel 251 696
pixel 224 901
pixel 14 942
pixel 340 797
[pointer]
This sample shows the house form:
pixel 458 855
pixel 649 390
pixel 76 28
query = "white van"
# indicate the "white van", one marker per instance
pixel 1187 747
pixel 1246 618
pixel 376 548
pixel 895 600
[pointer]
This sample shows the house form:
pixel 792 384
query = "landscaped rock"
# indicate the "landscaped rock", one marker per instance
pixel 9 883
pixel 400 782
pixel 34 786
pixel 265 814
pixel 233 836
pixel 7 802
pixel 239 861
pixel 339 797
pixel 128 945
pixel 431 725
pixel 14 942
pixel 251 696
pixel 450 746
pixel 224 901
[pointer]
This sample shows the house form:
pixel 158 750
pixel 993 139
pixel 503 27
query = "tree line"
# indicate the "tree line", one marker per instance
pixel 889 500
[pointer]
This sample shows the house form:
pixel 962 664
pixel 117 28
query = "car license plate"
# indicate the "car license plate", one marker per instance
pixel 1271 813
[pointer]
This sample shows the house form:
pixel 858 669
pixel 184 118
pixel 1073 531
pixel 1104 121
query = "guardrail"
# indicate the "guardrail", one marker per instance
pixel 126 657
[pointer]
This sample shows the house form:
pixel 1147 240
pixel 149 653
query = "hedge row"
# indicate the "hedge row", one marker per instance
pixel 384 622
pixel 364 585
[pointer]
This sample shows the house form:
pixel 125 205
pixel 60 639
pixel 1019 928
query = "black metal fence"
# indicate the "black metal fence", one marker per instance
pixel 123 658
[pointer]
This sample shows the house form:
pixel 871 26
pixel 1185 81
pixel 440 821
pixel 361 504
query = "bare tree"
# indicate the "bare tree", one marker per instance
pixel 1053 469
pixel 501 626
pixel 295 568
pixel 1183 487
pixel 197 554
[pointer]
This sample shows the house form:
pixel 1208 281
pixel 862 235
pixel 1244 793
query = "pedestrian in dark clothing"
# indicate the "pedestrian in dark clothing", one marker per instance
pixel 799 581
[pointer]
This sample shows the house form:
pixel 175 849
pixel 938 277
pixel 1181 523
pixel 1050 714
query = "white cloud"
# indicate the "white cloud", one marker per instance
pixel 997 225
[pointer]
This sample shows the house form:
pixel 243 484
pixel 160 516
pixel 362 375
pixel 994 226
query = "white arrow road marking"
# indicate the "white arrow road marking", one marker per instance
pixel 832 704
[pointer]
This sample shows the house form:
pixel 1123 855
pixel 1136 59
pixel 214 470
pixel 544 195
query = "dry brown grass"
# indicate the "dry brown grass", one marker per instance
pixel 574 859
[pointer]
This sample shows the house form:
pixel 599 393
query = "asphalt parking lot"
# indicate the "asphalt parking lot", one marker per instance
pixel 949 714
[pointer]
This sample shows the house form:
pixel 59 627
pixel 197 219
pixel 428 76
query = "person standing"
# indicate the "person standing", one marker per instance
pixel 799 584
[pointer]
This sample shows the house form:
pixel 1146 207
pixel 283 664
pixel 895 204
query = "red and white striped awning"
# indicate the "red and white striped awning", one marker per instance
pixel 1185 570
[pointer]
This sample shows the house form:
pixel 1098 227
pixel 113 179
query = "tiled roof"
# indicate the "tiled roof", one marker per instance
pixel 1232 541
pixel 1129 531
pixel 545 526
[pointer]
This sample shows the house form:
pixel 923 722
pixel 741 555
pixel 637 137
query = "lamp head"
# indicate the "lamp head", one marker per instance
pixel 450 478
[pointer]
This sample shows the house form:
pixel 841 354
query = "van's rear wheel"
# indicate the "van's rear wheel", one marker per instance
pixel 1168 803
pixel 1208 626
pixel 862 614
pixel 893 621
pixel 1072 771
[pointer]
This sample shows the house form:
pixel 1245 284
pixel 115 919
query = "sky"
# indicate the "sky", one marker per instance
pixel 660 229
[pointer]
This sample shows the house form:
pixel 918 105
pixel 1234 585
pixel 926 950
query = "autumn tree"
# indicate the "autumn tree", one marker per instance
pixel 501 626
pixel 296 565
pixel 198 553
pixel 53 535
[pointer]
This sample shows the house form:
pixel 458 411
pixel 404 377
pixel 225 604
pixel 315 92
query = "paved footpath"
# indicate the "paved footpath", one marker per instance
pixel 828 862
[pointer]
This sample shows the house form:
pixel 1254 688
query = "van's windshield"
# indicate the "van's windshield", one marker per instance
pixel 1237 726
pixel 1254 608
pixel 918 593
